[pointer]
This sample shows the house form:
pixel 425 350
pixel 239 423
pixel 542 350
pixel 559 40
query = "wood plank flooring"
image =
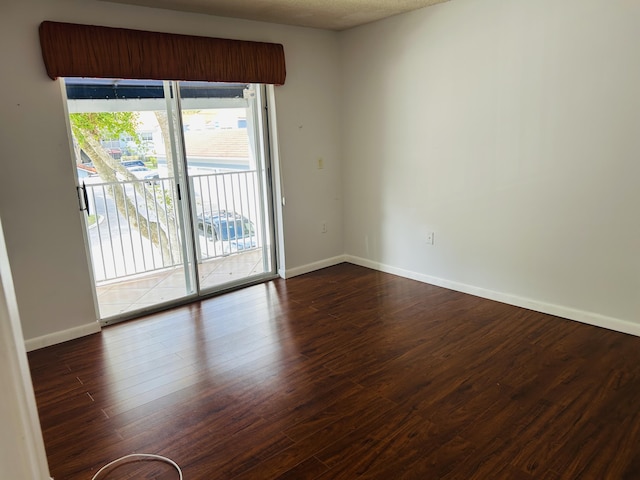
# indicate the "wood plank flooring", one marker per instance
pixel 344 373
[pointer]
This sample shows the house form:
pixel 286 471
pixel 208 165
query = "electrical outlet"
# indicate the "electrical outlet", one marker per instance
pixel 323 227
pixel 430 238
pixel 320 163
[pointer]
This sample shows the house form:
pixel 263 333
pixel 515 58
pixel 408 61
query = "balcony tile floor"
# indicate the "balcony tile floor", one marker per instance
pixel 118 297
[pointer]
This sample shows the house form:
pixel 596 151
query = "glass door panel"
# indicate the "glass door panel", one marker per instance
pixel 138 248
pixel 229 191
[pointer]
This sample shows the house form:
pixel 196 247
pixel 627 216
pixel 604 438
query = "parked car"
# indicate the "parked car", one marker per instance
pixel 144 173
pixel 235 232
pixel 132 163
pixel 138 168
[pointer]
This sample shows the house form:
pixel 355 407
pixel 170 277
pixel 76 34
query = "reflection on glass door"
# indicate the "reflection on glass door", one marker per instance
pixel 173 178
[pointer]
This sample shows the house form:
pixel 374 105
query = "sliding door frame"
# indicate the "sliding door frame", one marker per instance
pixel 269 188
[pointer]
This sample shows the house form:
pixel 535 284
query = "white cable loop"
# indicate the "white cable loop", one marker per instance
pixel 139 456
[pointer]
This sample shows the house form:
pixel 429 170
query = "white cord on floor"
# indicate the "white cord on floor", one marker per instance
pixel 139 456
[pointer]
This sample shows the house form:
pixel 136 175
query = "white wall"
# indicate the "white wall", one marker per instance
pixel 510 128
pixel 37 195
pixel 22 453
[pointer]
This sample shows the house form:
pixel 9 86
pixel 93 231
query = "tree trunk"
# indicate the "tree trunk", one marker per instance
pixel 107 168
pixel 163 122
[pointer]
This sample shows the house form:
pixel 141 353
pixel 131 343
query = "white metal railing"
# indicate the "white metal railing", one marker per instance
pixel 226 213
pixel 136 228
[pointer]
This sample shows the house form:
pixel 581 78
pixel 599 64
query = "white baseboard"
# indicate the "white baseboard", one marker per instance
pixel 61 336
pixel 582 316
pixel 311 267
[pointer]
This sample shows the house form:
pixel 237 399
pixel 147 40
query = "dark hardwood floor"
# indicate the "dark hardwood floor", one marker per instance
pixel 345 373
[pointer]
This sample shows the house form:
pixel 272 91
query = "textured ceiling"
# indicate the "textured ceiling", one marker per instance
pixel 327 14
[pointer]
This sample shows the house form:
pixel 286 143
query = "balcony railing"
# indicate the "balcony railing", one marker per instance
pixel 137 227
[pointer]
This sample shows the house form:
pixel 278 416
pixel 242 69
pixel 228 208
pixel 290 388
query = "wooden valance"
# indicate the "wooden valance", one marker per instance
pixel 72 50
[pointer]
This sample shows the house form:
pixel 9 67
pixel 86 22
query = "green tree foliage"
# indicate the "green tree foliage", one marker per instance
pixel 104 125
pixel 92 127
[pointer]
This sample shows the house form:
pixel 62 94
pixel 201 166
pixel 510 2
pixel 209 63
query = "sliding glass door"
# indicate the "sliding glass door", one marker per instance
pixel 174 178
pixel 227 171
